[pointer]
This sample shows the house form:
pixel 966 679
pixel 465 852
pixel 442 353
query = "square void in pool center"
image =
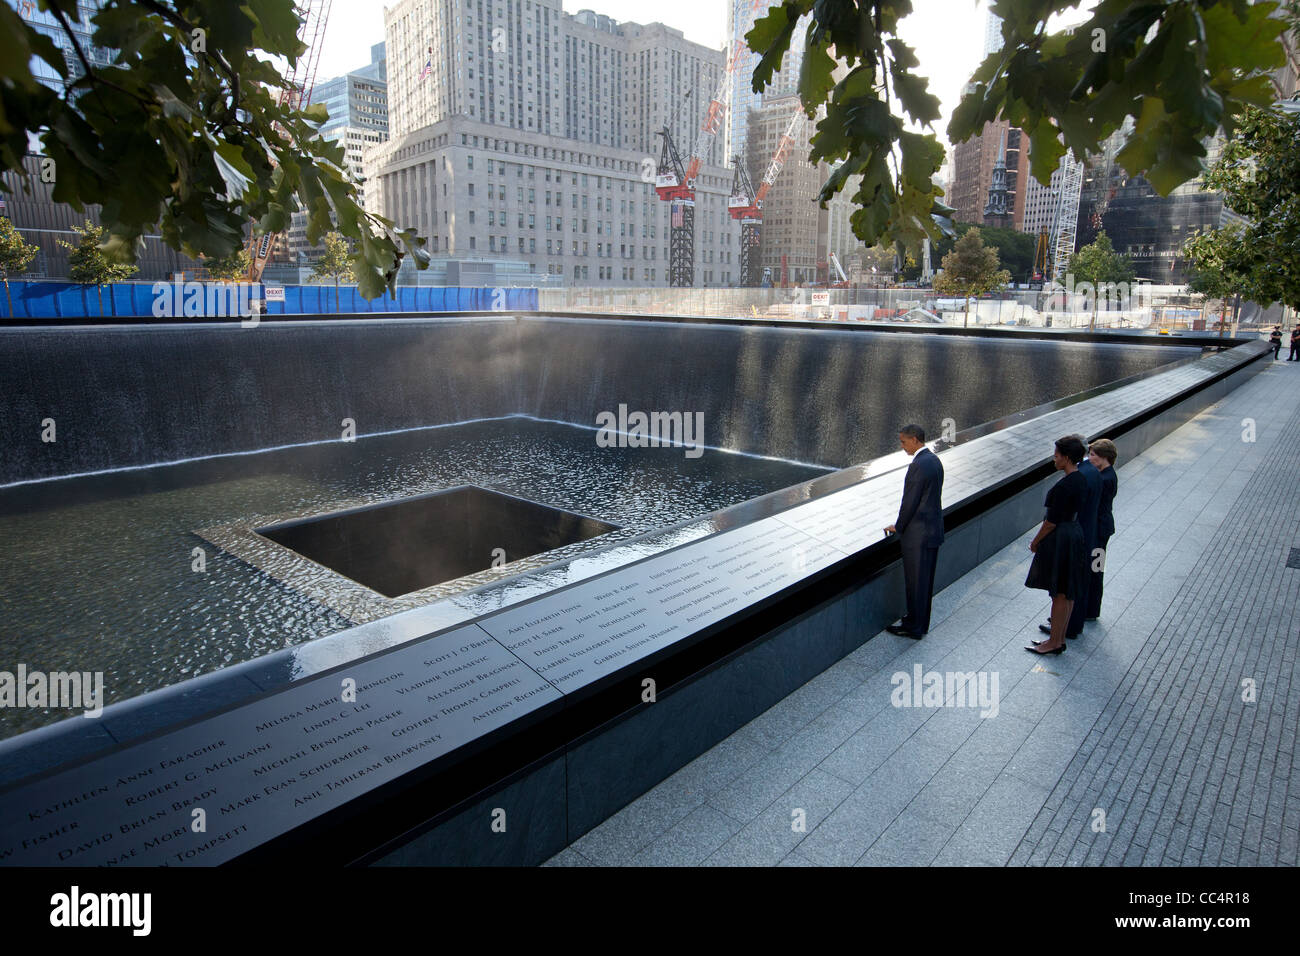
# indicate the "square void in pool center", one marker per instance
pixel 413 543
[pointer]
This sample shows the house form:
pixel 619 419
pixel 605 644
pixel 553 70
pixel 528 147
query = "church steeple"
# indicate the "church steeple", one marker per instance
pixel 999 210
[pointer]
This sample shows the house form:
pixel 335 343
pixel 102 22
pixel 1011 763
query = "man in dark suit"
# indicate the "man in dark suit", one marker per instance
pixel 920 530
pixel 1102 454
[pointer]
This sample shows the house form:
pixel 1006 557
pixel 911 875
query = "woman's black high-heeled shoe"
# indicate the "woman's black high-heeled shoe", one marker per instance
pixel 1056 650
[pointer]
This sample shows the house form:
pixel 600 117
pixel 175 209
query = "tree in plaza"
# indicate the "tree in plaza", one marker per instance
pixel 229 268
pixel 191 106
pixel 90 264
pixel 335 263
pixel 1099 264
pixel 1015 250
pixel 971 269
pixel 15 256
pixel 1258 174
pixel 1218 272
pixel 1179 69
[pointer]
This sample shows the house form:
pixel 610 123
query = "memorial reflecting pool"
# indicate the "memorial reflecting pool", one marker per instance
pixel 107 583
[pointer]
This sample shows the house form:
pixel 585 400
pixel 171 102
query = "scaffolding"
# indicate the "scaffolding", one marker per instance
pixel 1065 223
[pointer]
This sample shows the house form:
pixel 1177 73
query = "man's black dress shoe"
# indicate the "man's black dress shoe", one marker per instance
pixel 902 631
pixel 1044 628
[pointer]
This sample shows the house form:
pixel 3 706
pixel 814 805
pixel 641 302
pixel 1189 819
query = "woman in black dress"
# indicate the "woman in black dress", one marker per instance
pixel 1060 564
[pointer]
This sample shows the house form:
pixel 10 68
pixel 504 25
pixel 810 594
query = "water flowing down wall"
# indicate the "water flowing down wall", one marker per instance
pixel 122 396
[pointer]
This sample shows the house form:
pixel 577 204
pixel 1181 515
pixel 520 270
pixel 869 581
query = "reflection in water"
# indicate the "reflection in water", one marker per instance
pixel 98 570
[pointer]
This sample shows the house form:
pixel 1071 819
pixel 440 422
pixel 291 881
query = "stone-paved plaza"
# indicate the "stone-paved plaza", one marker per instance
pixel 1163 736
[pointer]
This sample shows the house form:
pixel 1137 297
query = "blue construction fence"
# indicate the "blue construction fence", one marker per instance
pixel 45 300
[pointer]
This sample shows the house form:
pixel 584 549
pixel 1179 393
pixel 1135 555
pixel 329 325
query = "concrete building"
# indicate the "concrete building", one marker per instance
pixel 528 65
pixel 520 131
pixel 973 163
pixel 1140 223
pixel 794 227
pixel 569 209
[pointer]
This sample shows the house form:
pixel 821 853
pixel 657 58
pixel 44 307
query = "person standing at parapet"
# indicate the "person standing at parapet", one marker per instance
pixel 1088 522
pixel 1060 565
pixel 1102 454
pixel 920 530
pixel 1275 340
pixel 1295 344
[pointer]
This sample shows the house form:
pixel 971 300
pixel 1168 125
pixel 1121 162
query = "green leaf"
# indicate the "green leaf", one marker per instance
pixel 815 80
pixel 770 37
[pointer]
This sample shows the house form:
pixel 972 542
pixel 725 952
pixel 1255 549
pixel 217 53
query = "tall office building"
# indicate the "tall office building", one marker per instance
pixel 525 133
pixel 1041 201
pixel 529 66
pixel 794 240
pixel 1149 228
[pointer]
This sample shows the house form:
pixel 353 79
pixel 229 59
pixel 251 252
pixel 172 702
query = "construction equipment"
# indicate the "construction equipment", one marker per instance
pixel 672 186
pixel 295 93
pixel 1040 255
pixel 839 269
pixel 1065 221
pixel 741 205
pixel 746 202
pixel 675 179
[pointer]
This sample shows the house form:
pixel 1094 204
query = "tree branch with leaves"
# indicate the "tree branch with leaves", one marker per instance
pixel 192 105
pixel 1181 69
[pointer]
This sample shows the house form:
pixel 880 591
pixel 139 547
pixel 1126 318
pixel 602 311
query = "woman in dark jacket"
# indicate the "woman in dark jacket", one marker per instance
pixel 1060 564
pixel 1103 455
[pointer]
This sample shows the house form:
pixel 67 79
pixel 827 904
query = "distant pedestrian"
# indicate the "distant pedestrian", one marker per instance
pixel 1103 455
pixel 1060 564
pixel 1295 344
pixel 920 530
pixel 1275 340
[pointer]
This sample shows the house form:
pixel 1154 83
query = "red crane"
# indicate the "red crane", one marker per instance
pixel 675 179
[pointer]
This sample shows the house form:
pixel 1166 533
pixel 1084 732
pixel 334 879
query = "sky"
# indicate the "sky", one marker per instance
pixel 948 35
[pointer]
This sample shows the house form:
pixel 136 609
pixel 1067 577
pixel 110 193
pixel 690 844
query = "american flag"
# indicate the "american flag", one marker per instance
pixel 678 215
pixel 428 65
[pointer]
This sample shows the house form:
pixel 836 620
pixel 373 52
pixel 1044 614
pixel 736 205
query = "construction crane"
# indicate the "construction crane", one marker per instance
pixel 675 179
pixel 746 202
pixel 743 206
pixel 295 93
pixel 672 186
pixel 1040 254
pixel 844 280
